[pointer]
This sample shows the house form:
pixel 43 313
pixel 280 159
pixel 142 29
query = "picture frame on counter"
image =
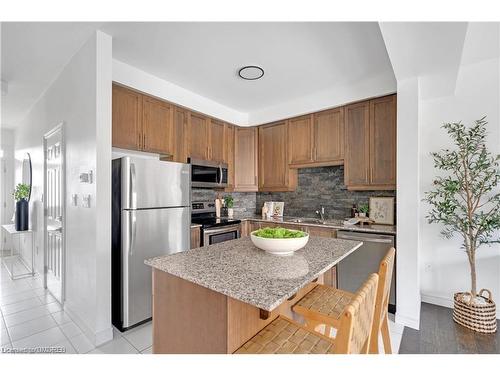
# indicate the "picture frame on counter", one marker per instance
pixel 382 210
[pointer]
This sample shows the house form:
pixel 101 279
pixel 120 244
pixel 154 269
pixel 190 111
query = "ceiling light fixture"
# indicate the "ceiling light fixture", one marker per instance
pixel 251 72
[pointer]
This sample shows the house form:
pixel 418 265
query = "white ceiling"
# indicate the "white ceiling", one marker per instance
pixel 299 59
pixel 32 55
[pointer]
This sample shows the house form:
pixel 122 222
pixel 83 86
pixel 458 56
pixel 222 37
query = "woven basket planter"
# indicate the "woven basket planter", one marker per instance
pixel 479 318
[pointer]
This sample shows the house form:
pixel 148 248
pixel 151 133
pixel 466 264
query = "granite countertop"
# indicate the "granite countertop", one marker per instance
pixel 331 223
pixel 195 225
pixel 241 271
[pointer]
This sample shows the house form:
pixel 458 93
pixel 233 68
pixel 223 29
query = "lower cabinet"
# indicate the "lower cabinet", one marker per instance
pixel 195 237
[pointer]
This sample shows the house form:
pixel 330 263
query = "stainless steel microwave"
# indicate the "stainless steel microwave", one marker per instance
pixel 208 174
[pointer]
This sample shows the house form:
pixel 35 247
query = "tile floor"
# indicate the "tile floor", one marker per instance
pixel 30 317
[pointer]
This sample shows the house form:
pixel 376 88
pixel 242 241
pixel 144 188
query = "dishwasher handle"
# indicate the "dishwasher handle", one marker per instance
pixel 366 239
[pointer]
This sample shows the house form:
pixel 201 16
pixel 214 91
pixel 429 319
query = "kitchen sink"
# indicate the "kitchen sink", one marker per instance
pixel 307 221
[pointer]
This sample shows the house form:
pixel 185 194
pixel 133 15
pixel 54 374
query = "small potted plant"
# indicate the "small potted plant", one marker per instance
pixel 229 202
pixel 21 194
pixel 363 210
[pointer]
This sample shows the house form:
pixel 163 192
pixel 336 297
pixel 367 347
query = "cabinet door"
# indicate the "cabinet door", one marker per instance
pixel 127 116
pixel 383 141
pixel 198 136
pixel 329 136
pixel 195 238
pixel 274 172
pixel 321 232
pixel 217 140
pixel 229 156
pixel 357 154
pixel 180 120
pixel 300 140
pixel 245 159
pixel 157 128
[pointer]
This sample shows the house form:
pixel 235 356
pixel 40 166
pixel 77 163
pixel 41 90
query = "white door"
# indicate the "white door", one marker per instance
pixel 54 213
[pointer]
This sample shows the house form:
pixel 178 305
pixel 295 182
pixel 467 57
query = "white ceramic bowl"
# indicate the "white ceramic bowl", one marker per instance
pixel 279 246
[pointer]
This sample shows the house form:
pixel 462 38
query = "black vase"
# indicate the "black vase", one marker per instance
pixel 22 215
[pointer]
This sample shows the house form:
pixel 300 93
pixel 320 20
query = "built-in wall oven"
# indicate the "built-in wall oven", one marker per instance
pixel 213 229
pixel 208 174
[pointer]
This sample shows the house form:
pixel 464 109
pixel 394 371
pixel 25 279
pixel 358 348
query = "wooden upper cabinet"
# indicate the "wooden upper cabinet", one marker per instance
pixel 229 155
pixel 180 124
pixel 383 141
pixel 157 126
pixel 329 137
pixel 127 118
pixel 357 144
pixel 245 159
pixel 370 160
pixel 217 141
pixel 300 140
pixel 198 136
pixel 274 172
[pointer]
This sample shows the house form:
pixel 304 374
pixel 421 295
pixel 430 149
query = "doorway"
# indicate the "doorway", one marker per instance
pixel 54 213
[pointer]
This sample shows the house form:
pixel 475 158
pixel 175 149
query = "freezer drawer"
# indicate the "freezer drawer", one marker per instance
pixel 355 268
pixel 147 234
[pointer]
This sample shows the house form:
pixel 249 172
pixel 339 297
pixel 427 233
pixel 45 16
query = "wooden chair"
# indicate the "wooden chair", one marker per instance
pixel 325 304
pixel 284 336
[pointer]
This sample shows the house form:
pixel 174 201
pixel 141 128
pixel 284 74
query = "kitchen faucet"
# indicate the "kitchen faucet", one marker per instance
pixel 321 213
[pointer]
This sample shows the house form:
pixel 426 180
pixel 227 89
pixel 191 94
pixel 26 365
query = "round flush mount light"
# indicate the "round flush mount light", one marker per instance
pixel 251 72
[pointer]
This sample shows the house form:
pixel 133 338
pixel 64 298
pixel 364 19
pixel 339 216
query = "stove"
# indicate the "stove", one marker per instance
pixel 213 228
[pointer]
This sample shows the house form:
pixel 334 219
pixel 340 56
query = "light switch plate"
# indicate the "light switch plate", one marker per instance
pixel 86 201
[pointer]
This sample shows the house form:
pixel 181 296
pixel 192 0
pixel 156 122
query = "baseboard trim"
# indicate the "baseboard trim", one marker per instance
pixel 443 301
pixel 96 338
pixel 407 321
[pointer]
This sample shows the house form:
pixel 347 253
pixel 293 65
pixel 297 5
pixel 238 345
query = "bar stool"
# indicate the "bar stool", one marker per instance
pixel 284 336
pixel 325 305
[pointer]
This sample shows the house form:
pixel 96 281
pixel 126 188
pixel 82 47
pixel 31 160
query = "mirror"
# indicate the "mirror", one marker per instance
pixel 27 172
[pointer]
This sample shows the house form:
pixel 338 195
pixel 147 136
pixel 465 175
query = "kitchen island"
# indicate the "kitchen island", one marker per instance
pixel 213 299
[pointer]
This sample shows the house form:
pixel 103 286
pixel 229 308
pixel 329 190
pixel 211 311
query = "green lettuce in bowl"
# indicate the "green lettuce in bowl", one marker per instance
pixel 278 233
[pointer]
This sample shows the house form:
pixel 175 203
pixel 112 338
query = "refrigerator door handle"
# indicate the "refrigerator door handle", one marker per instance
pixel 133 194
pixel 133 232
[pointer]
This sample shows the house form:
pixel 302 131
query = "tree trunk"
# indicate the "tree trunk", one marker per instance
pixel 472 262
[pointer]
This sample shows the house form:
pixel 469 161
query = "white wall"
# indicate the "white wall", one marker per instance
pixel 80 98
pixel 444 266
pixel 408 197
pixel 6 184
pixel 150 84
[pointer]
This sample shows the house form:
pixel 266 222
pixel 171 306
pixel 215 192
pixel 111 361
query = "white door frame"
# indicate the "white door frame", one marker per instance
pixel 59 127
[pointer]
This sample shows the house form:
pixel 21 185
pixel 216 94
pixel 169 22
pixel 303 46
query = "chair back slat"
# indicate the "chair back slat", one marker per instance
pixel 354 333
pixel 383 293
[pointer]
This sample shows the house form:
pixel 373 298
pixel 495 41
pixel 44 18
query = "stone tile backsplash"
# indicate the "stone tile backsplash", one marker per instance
pixel 323 186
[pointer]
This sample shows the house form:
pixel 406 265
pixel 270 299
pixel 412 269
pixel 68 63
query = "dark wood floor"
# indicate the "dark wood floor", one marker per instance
pixel 439 334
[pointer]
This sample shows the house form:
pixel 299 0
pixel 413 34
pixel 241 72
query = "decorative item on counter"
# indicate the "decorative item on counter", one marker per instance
pixel 382 210
pixel 21 194
pixel 363 210
pixel 469 171
pixel 218 205
pixel 278 208
pixel 269 211
pixel 264 211
pixel 354 210
pixel 229 202
pixel 279 241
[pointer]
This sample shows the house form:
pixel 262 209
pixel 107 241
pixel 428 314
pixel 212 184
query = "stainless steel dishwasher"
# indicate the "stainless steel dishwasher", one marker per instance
pixel 353 270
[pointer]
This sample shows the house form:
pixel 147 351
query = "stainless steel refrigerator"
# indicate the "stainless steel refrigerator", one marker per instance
pixel 151 217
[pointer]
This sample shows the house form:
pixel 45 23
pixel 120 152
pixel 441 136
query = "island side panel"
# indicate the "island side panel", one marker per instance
pixel 187 318
pixel 243 320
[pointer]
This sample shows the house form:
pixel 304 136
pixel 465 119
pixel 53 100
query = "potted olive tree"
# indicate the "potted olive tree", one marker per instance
pixel 21 194
pixel 465 198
